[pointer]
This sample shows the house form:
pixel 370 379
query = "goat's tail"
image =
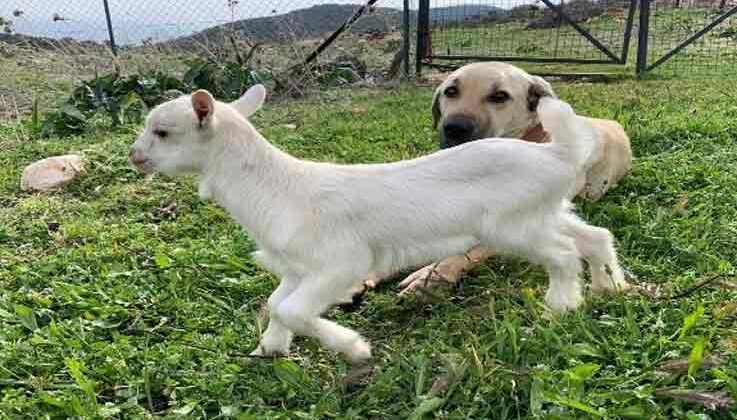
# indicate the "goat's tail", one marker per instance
pixel 570 133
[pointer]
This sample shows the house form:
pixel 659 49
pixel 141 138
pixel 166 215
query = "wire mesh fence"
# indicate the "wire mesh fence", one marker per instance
pixel 695 36
pixel 688 37
pixel 48 47
pixel 281 33
pixel 533 31
pixel 139 22
pixel 71 39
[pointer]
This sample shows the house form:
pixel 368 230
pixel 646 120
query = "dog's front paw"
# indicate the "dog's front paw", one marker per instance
pixel 443 274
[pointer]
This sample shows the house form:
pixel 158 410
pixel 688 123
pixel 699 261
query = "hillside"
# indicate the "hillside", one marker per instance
pixel 47 43
pixel 317 20
pixel 461 13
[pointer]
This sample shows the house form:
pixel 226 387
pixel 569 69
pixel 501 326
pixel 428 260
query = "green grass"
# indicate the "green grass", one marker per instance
pixel 127 312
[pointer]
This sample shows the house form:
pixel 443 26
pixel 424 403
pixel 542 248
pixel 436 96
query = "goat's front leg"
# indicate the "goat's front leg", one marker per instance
pixel 447 272
pixel 277 338
pixel 301 310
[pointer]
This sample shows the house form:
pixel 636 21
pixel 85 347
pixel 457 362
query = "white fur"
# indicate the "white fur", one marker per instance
pixel 324 227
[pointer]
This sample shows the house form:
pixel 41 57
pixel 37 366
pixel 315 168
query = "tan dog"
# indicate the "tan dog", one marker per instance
pixel 494 99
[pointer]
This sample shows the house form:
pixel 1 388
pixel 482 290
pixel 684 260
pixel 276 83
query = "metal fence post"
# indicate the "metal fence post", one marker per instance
pixel 423 33
pixel 642 37
pixel 113 47
pixel 405 38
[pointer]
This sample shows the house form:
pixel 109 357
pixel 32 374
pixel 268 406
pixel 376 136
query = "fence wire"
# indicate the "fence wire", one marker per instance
pixel 162 33
pixel 285 31
pixel 685 37
pixel 529 30
pixel 674 22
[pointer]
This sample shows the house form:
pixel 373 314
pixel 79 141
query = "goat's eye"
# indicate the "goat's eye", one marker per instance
pixel 499 97
pixel 161 133
pixel 451 92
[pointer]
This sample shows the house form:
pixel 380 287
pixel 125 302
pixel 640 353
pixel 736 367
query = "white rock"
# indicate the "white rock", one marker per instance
pixel 52 173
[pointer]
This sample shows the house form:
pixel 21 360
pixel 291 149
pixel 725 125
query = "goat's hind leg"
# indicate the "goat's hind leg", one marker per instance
pixel 597 247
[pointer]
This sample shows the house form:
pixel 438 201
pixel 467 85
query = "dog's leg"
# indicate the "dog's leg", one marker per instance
pixel 300 312
pixel 277 338
pixel 597 247
pixel 445 273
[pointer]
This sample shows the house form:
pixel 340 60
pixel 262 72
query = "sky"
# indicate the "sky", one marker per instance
pixel 135 20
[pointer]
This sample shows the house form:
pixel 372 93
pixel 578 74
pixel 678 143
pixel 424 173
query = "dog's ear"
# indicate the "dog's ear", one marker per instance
pixel 539 87
pixel 436 107
pixel 203 105
pixel 251 101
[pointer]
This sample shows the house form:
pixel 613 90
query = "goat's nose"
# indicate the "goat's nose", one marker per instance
pixel 459 129
pixel 135 156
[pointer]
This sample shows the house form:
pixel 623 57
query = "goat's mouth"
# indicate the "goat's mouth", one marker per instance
pixel 143 165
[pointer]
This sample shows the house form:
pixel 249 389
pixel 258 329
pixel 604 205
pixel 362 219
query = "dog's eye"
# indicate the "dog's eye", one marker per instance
pixel 499 97
pixel 451 92
pixel 161 133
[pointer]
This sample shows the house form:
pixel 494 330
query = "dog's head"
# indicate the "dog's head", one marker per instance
pixel 484 100
pixel 177 134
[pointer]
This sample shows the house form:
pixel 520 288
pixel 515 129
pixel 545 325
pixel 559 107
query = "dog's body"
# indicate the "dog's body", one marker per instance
pixel 323 227
pixel 499 100
pixel 493 99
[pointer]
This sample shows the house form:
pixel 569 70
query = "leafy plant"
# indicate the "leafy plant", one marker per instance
pixel 65 121
pixel 123 99
pixel 126 99
pixel 226 80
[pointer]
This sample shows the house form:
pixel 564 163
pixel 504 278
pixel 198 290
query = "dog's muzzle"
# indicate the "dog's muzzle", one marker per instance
pixel 457 130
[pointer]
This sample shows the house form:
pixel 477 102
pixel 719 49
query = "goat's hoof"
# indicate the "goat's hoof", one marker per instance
pixel 260 352
pixel 609 289
pixel 613 281
pixel 360 354
pixel 562 304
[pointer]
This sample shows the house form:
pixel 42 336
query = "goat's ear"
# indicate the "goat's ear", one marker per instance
pixel 203 105
pixel 436 106
pixel 539 87
pixel 251 101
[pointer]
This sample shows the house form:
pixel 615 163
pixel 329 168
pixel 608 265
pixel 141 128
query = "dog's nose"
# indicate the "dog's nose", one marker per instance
pixel 458 130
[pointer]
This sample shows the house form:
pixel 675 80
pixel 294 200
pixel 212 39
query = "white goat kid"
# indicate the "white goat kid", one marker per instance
pixel 323 227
